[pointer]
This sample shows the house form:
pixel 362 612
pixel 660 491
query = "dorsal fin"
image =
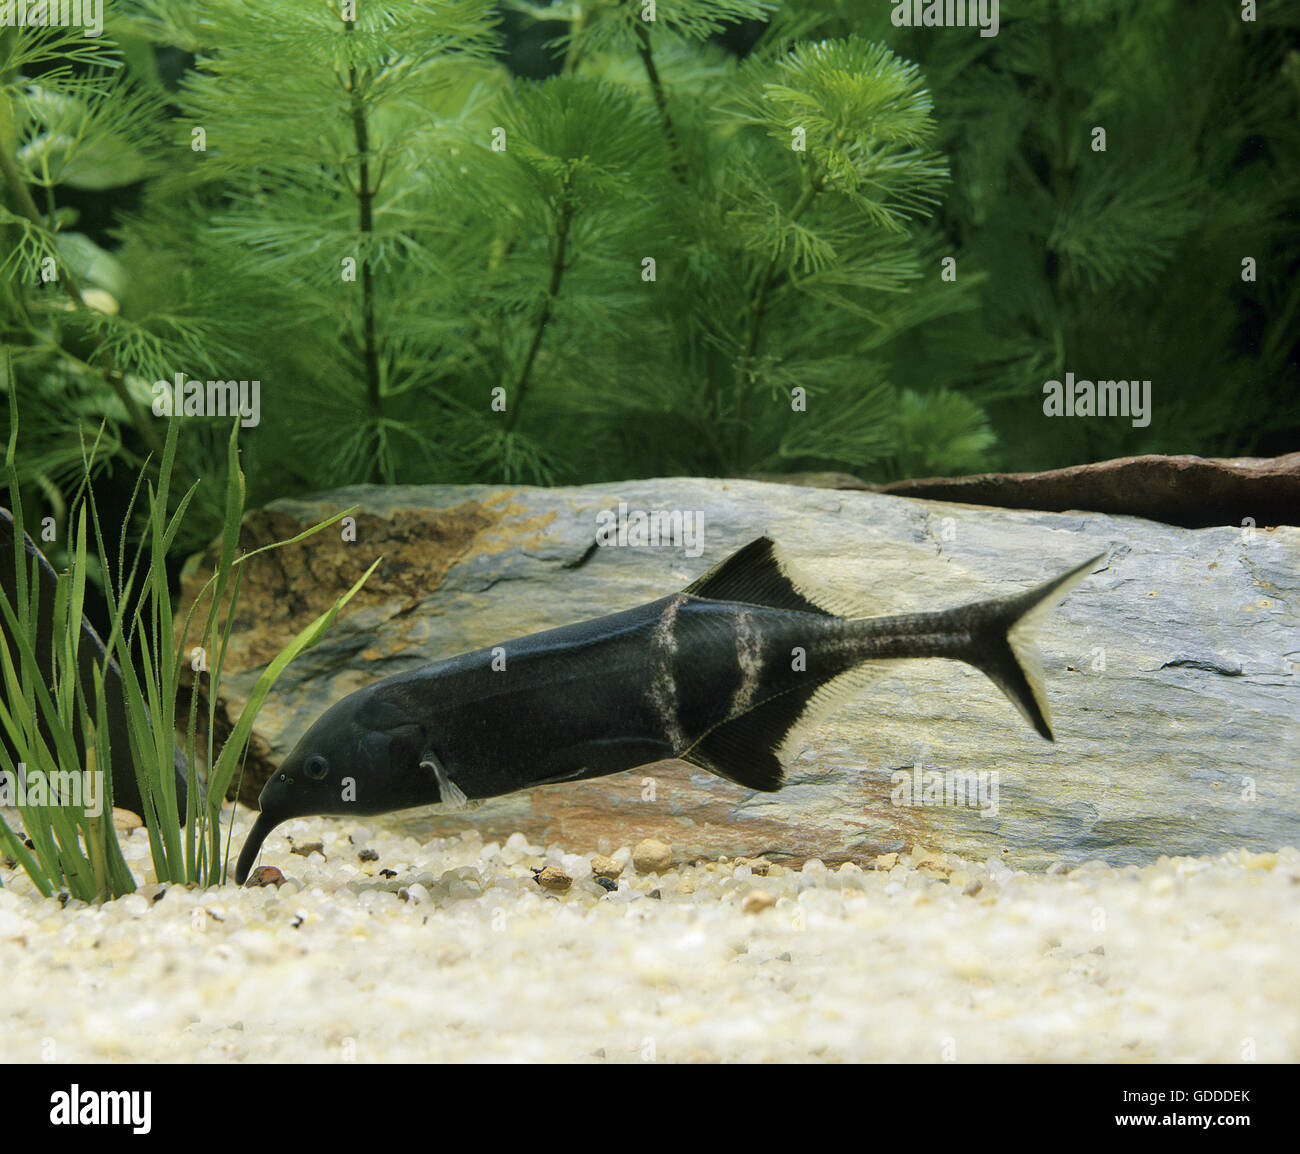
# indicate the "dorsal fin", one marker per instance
pixel 755 576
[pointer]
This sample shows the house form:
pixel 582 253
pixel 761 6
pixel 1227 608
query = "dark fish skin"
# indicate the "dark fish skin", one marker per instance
pixel 719 674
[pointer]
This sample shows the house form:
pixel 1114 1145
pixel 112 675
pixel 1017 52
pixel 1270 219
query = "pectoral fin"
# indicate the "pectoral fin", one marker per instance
pixel 450 794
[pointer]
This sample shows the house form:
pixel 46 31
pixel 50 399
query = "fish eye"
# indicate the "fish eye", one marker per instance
pixel 316 767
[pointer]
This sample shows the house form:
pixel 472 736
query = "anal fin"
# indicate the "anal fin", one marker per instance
pixel 744 749
pixel 753 749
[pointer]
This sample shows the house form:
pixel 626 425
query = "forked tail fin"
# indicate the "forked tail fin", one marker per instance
pixel 997 637
pixel 1004 646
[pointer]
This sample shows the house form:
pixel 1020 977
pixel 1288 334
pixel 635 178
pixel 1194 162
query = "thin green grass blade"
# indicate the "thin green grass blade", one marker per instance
pixel 219 778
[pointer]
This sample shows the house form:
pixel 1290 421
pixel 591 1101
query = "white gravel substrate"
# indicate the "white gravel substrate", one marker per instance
pixel 1189 959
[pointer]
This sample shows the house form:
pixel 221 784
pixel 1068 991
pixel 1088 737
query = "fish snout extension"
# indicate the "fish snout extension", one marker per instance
pixel 264 824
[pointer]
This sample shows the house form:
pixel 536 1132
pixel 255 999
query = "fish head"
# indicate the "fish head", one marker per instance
pixel 360 757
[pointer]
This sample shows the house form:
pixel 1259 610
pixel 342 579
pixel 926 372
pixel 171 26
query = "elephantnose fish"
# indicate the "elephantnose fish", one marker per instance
pixel 728 675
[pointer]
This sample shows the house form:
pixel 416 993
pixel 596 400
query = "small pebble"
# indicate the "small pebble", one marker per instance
pixel 367 855
pixel 756 901
pixel 923 860
pixel 606 867
pixel 553 879
pixel 886 861
pixel 265 876
pixel 309 847
pixel 973 887
pixel 124 821
pixel 652 855
pixel 607 883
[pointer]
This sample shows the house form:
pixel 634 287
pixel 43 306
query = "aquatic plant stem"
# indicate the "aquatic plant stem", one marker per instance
pixel 661 101
pixel 757 311
pixel 365 194
pixel 1062 177
pixel 544 318
pixel 574 52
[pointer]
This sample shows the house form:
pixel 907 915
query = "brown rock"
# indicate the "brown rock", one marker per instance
pixel 606 867
pixel 1194 492
pixel 652 855
pixel 555 880
pixel 124 821
pixel 756 901
pixel 265 876
pixel 923 860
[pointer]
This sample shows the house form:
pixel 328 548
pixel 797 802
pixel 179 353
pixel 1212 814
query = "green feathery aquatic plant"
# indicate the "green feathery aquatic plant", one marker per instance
pixel 724 236
pixel 1123 180
pixel 661 259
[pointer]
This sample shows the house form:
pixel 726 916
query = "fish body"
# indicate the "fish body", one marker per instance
pixel 727 674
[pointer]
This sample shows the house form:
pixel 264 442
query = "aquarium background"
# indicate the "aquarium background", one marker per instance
pixel 516 243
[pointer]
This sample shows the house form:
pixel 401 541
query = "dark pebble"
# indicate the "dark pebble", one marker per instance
pixel 387 873
pixel 658 894
pixel 368 855
pixel 607 884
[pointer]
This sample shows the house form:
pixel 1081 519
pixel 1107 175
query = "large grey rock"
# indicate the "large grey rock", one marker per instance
pixel 1171 673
